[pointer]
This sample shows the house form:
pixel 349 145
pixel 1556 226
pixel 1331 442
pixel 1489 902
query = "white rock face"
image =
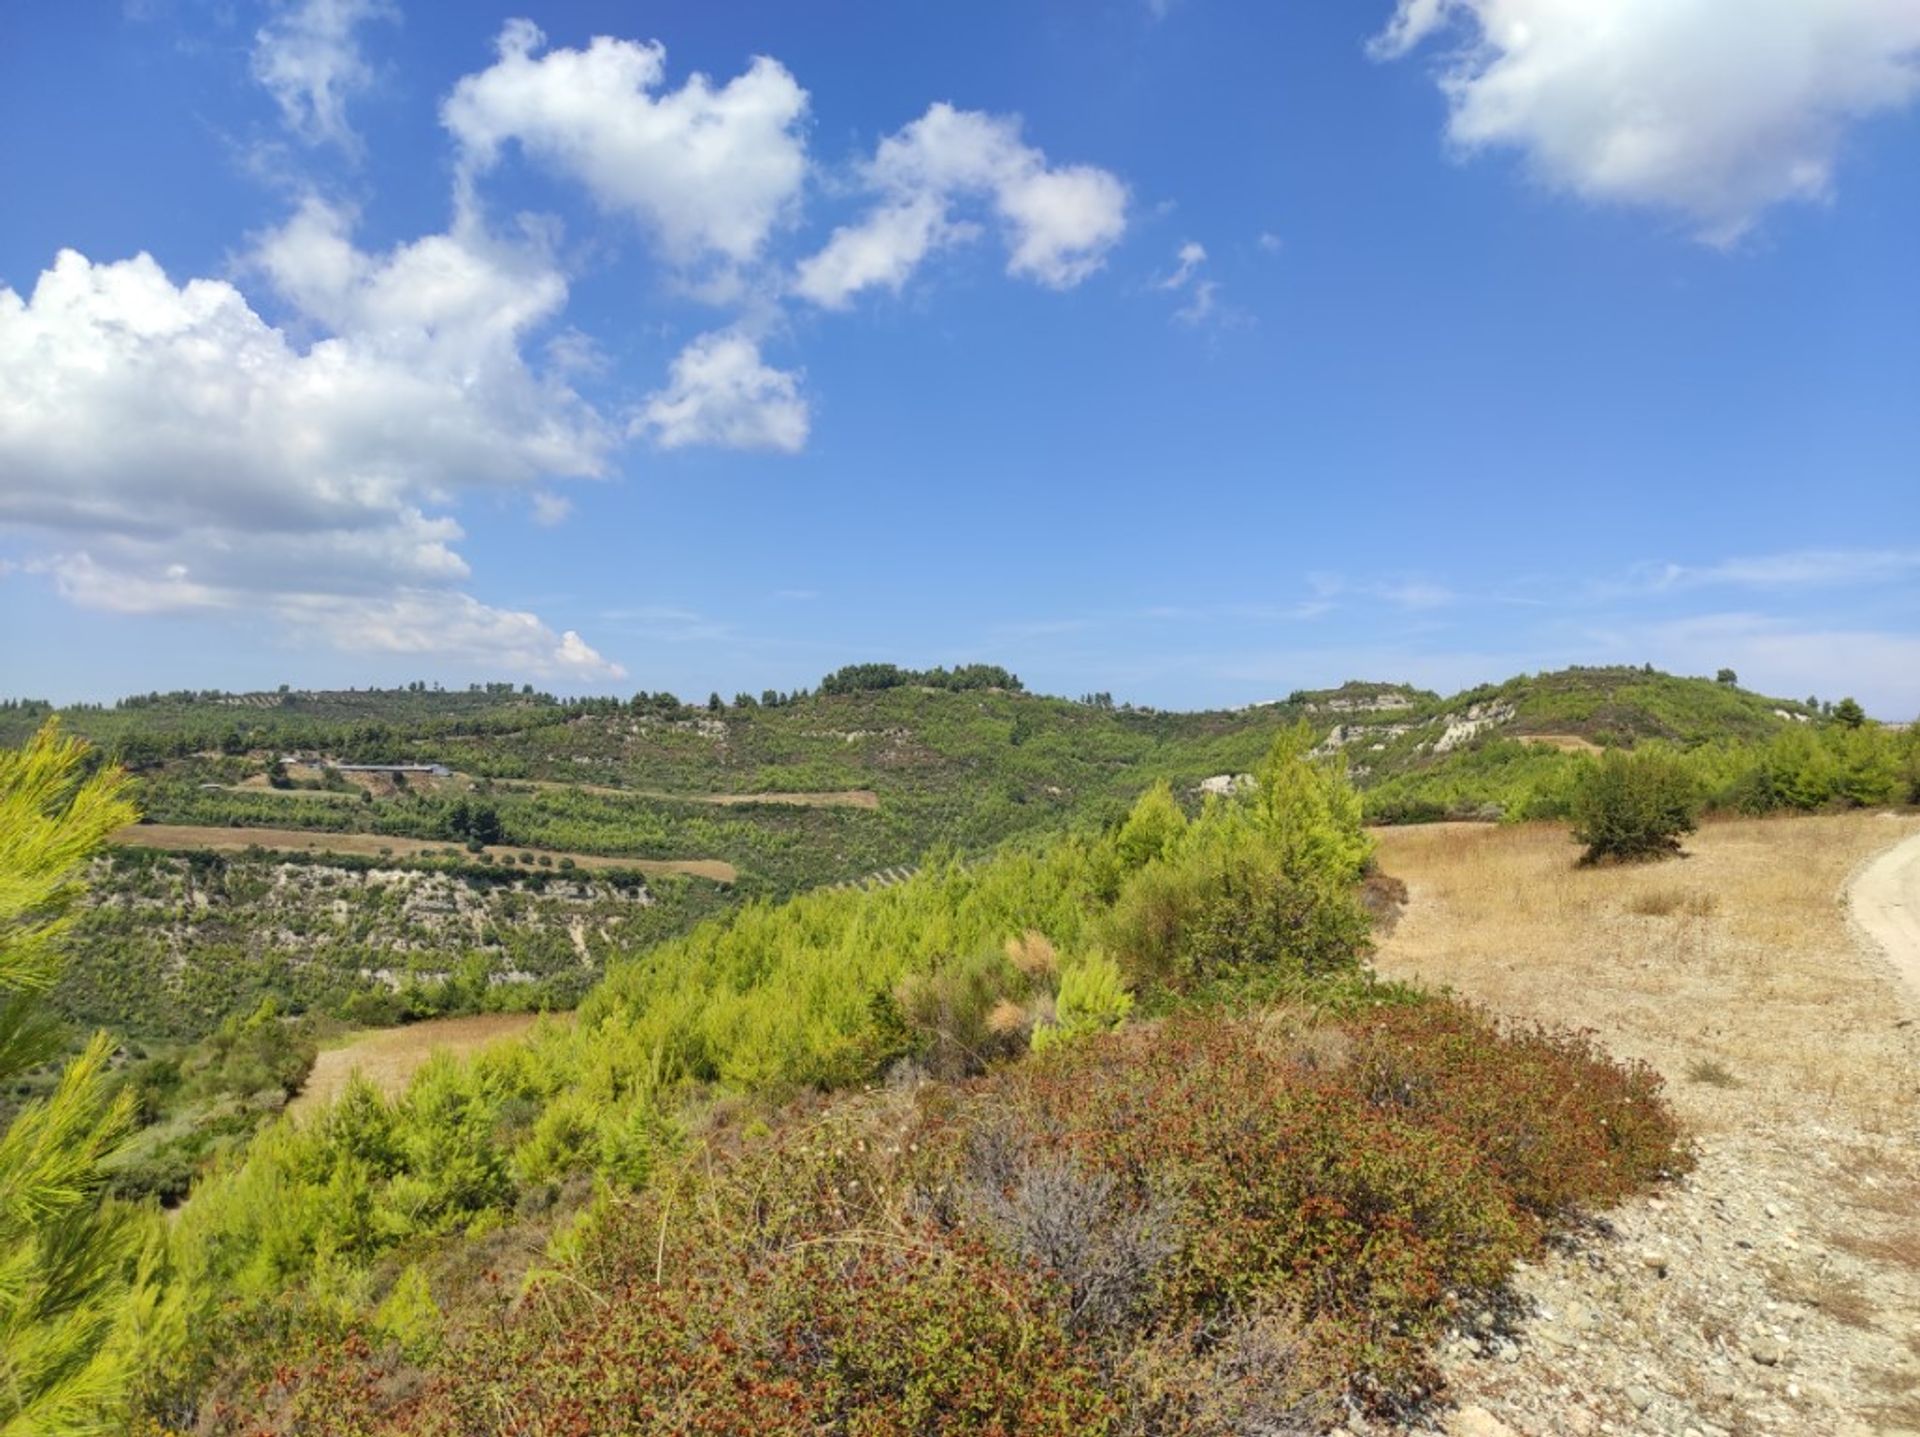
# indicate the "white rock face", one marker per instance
pixel 1477 720
pixel 1380 703
pixel 1227 784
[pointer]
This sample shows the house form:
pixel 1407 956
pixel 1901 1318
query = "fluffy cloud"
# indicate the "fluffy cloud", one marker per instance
pixel 176 452
pixel 308 58
pixel 721 393
pixel 1710 109
pixel 711 172
pixel 1058 221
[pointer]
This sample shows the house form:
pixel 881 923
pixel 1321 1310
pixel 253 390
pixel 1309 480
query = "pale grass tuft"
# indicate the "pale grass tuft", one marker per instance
pixel 1712 1072
pixel 1033 955
pixel 1673 902
pixel 1007 1018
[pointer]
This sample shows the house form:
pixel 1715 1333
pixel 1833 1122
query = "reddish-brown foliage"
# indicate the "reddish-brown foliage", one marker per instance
pixel 1176 1229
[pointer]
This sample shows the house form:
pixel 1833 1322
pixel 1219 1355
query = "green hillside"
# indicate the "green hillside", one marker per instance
pixel 867 776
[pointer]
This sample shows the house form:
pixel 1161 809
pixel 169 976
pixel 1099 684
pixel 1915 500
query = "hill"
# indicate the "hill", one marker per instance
pixel 466 855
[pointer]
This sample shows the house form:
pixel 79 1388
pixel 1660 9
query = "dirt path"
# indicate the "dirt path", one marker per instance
pixel 388 1057
pixel 1886 905
pixel 1775 1291
pixel 178 837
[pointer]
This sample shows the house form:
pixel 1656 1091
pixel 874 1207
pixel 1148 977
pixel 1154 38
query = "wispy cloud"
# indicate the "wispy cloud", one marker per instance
pixel 1413 593
pixel 1798 569
pixel 667 623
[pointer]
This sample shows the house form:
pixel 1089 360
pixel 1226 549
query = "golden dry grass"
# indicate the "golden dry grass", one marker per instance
pixel 182 837
pixel 388 1057
pixel 1738 955
pixel 1791 1047
pixel 1565 742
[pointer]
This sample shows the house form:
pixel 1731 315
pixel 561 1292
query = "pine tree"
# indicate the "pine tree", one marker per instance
pixel 66 1255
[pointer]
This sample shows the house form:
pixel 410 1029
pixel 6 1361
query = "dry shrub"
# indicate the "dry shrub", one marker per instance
pixel 1068 1223
pixel 1369 1195
pixel 954 1018
pixel 1672 902
pixel 1711 1072
pixel 1253 1377
pixel 1384 897
pixel 1009 1019
pixel 1033 955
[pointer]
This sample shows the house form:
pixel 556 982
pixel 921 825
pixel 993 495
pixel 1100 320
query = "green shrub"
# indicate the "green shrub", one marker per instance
pixel 1634 806
pixel 1093 998
pixel 1230 911
pixel 1309 812
pixel 409 1317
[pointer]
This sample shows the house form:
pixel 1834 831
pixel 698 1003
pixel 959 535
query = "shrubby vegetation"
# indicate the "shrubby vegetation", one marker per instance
pixel 827 991
pixel 1802 768
pixel 173 945
pixel 1093 1223
pixel 207 1099
pixel 1216 1225
pixel 860 678
pixel 1634 806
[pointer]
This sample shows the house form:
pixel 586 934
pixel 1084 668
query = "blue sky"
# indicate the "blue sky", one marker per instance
pixel 1190 351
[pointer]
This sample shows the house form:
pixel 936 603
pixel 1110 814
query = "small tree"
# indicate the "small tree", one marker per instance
pixel 1309 810
pixel 1848 713
pixel 1727 677
pixel 1630 807
pixel 66 1252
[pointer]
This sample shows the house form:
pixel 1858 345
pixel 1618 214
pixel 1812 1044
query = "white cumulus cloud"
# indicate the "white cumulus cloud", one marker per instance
pixel 1712 110
pixel 1058 222
pixel 720 392
pixel 173 451
pixel 710 171
pixel 308 57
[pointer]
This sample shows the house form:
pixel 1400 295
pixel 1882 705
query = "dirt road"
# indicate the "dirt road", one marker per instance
pixel 1886 905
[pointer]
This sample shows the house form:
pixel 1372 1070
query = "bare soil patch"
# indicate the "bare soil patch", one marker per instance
pixel 258 784
pixel 389 1057
pixel 1775 1289
pixel 177 837
pixel 1565 742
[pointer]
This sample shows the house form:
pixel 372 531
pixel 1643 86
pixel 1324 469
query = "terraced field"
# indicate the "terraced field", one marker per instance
pixel 189 838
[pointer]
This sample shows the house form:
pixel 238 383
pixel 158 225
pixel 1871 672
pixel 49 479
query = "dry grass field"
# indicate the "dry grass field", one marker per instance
pixel 1792 1049
pixel 1738 955
pixel 388 1057
pixel 1565 742
pixel 180 837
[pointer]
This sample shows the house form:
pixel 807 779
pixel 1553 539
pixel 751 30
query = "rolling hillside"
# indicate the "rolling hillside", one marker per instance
pixel 509 790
